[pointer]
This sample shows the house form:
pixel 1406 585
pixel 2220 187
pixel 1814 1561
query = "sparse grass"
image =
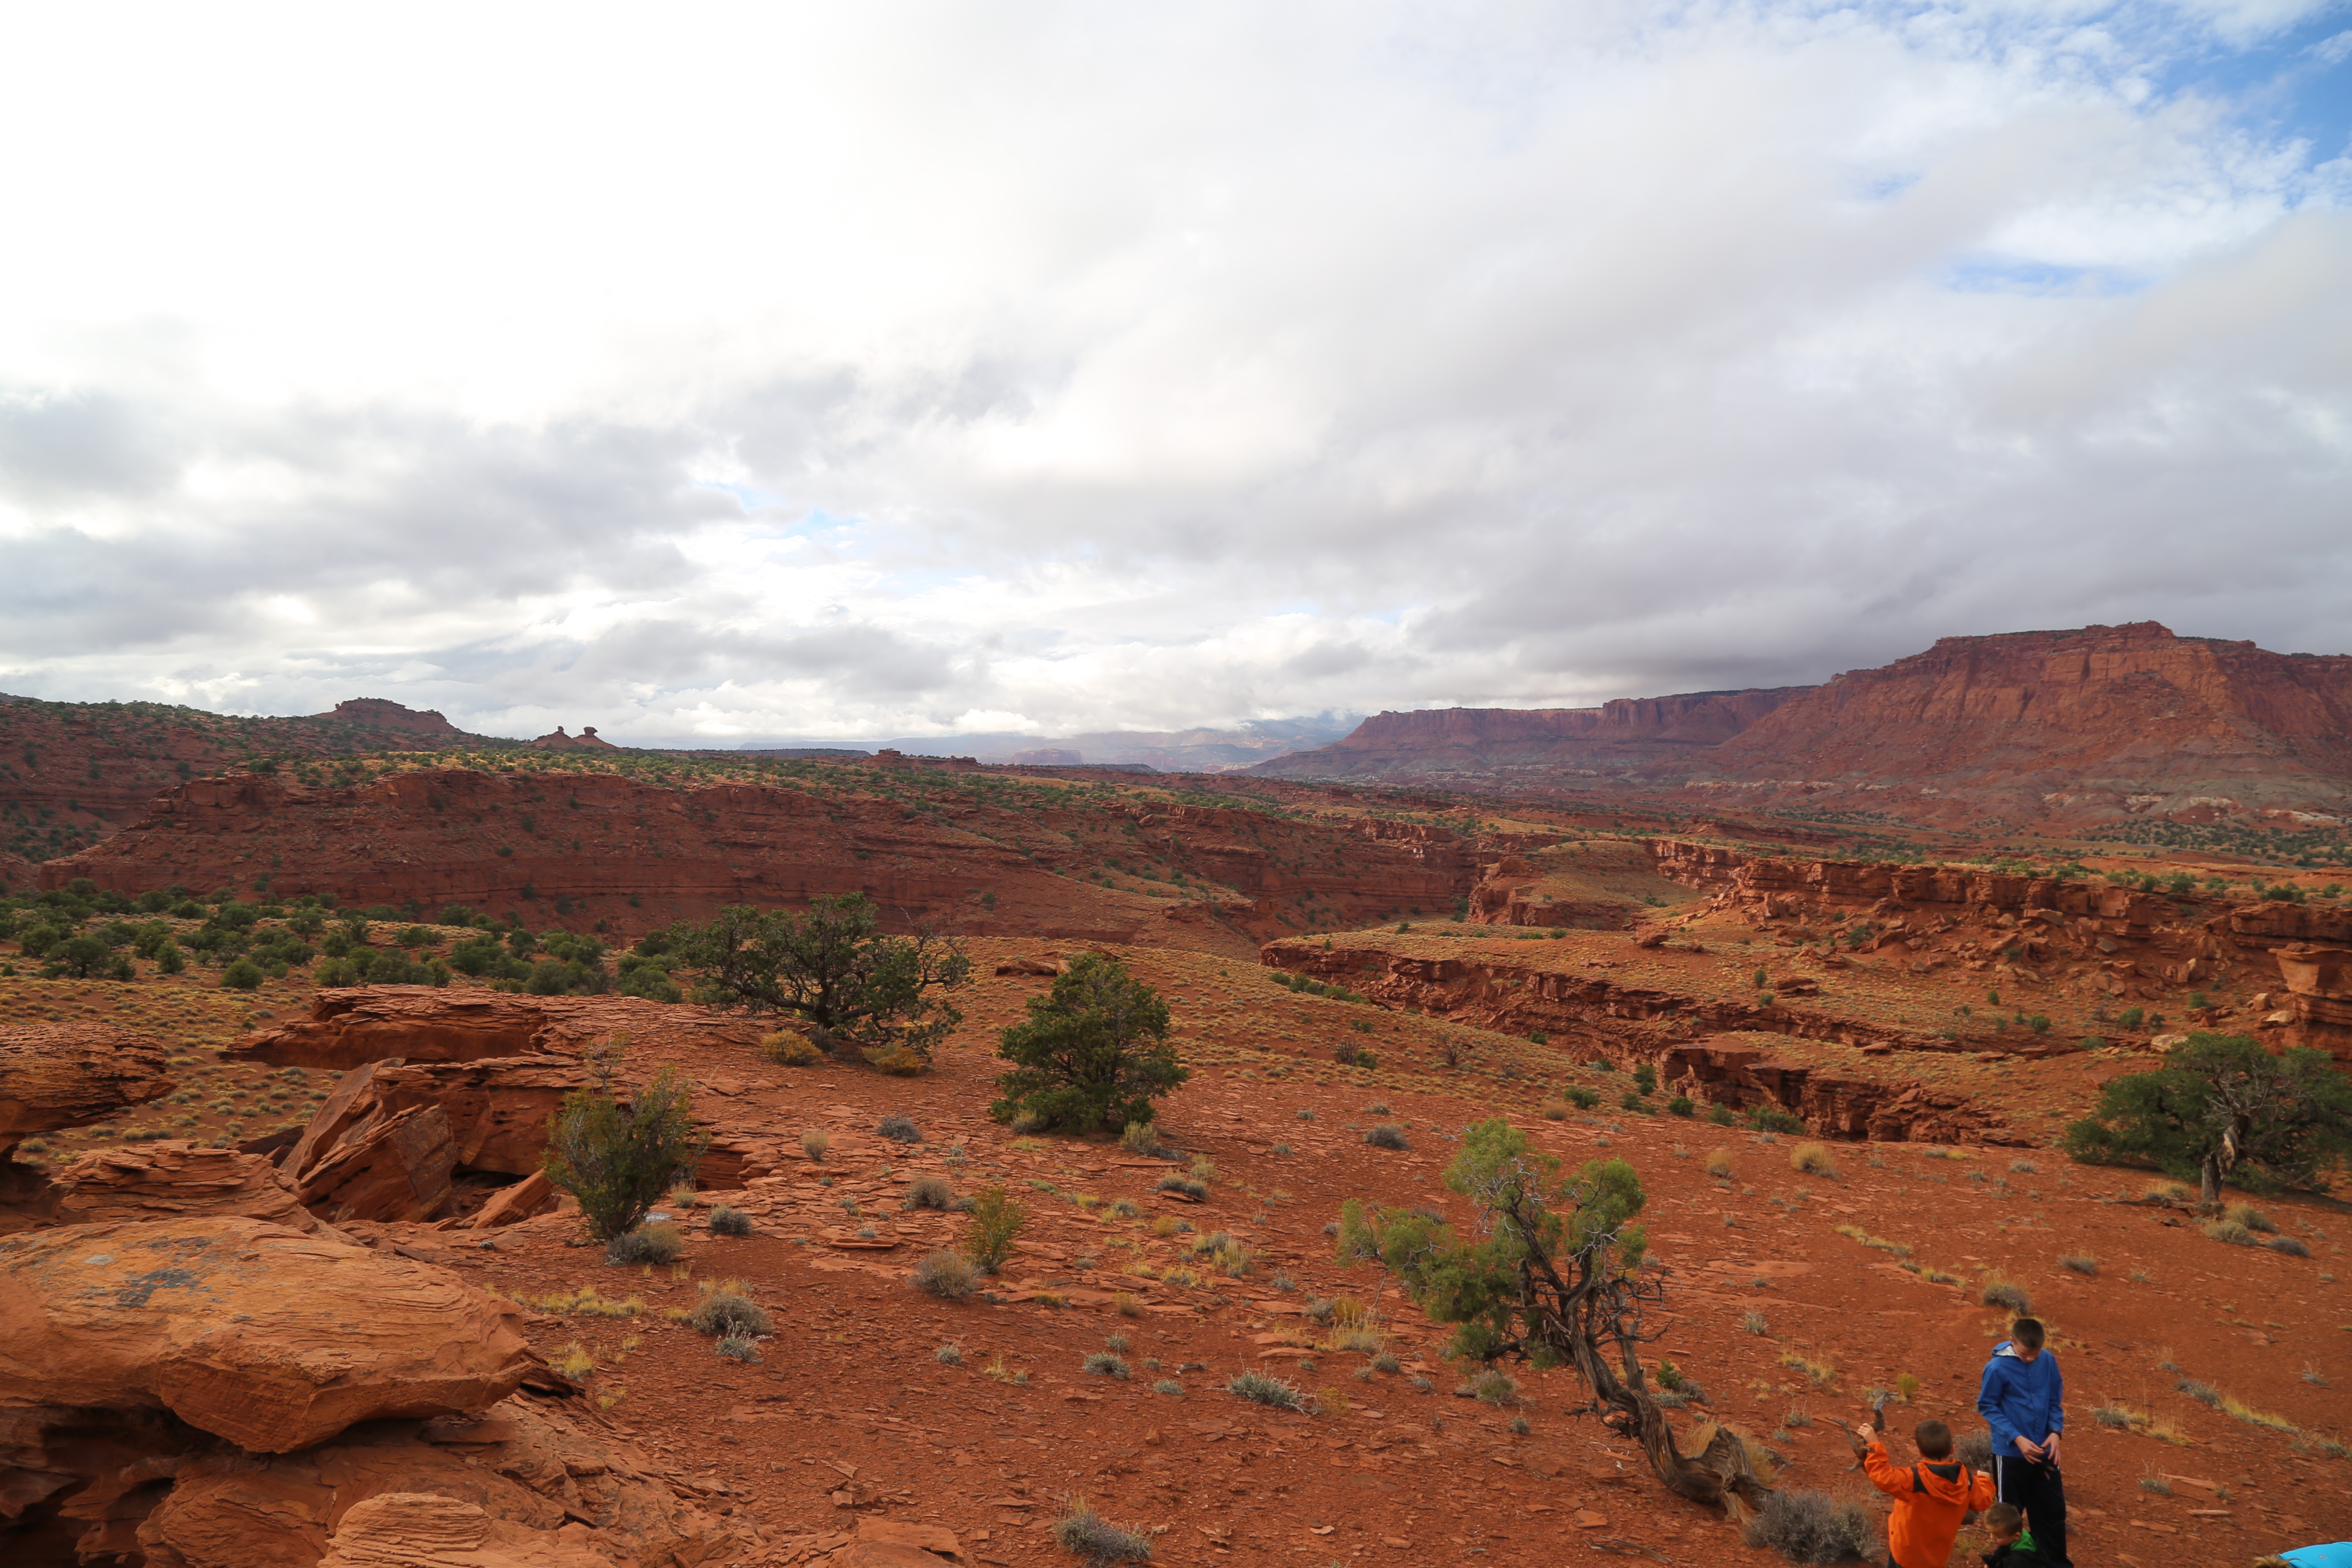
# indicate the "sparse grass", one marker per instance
pixel 1085 1533
pixel 2289 1245
pixel 1172 1183
pixel 2229 1231
pixel 1387 1135
pixel 725 1221
pixel 1820 1372
pixel 950 1275
pixel 2156 1484
pixel 738 1347
pixel 1718 1163
pixel 1103 1363
pixel 1880 1243
pixel 1491 1386
pixel 1905 1388
pixel 949 1354
pixel 2024 1167
pixel 658 1243
pixel 1167 1386
pixel 2250 1216
pixel 928 1193
pixel 1814 1159
pixel 2080 1262
pixel 571 1360
pixel 1754 1325
pixel 2170 1195
pixel 1259 1388
pixel 1812 1527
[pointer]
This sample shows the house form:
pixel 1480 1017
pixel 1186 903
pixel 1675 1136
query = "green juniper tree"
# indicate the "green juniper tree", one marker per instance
pixel 1093 1053
pixel 2222 1109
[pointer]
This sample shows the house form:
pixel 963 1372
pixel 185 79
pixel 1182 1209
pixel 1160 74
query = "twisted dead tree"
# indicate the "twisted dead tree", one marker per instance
pixel 1555 1278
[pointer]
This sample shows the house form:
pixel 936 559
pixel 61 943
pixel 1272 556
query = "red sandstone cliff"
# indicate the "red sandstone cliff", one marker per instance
pixel 2097 722
pixel 639 854
pixel 1625 733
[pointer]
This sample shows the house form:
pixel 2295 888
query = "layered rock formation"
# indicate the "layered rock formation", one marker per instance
pixel 639 853
pixel 60 1074
pixel 1636 1024
pixel 354 1027
pixel 173 1179
pixel 1437 744
pixel 2101 721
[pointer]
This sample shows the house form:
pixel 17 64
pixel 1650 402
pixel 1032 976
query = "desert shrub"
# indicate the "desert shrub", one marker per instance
pixel 1807 1526
pixel 1720 1114
pixel 814 1142
pixel 791 1047
pixel 1581 1097
pixel 722 1308
pixel 1718 1163
pixel 1094 1053
pixel 1814 1159
pixel 1259 1388
pixel 2222 1109
pixel 950 1275
pixel 951 1353
pixel 1555 1111
pixel 2231 1231
pixel 1975 1449
pixel 1085 1533
pixel 2248 1216
pixel 996 1221
pixel 1764 1119
pixel 2024 1167
pixel 647 1244
pixel 242 976
pixel 1387 1135
pixel 1142 1140
pixel 1103 1364
pixel 928 1193
pixel 617 1160
pixel 898 1130
pixel 2289 1245
pixel 2000 1292
pixel 1172 1183
pixel 738 1347
pixel 1754 1325
pixel 725 1221
pixel 832 966
pixel 1491 1386
pixel 1680 1105
pixel 2080 1262
pixel 1167 1386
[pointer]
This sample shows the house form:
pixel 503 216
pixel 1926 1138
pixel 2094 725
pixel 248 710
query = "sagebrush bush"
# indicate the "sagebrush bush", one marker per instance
pixel 2248 1216
pixel 2000 1292
pixel 1807 1526
pixel 2080 1262
pixel 898 1130
pixel 725 1221
pixel 950 1275
pixel 1259 1388
pixel 1387 1135
pixel 1718 1163
pixel 725 1310
pixel 1172 1183
pixel 1103 1363
pixel 1082 1530
pixel 791 1049
pixel 657 1243
pixel 2289 1245
pixel 928 1193
pixel 2231 1231
pixel 736 1347
pixel 1814 1159
pixel 814 1142
pixel 1142 1140
pixel 1975 1449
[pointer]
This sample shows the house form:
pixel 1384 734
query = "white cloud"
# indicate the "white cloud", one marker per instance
pixel 761 372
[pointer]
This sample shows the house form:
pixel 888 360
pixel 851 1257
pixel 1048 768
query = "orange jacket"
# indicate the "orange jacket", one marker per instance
pixel 1930 1500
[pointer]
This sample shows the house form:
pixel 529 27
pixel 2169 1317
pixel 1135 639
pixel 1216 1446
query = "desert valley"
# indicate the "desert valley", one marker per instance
pixel 292 1009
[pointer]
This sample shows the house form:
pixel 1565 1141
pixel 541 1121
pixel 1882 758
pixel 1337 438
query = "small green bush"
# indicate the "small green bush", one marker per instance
pixel 1812 1527
pixel 1086 1534
pixel 1999 1292
pixel 898 1130
pixel 1387 1135
pixel 725 1311
pixel 950 1275
pixel 658 1243
pixel 996 1221
pixel 928 1193
pixel 738 1347
pixel 1259 1388
pixel 725 1221
pixel 1103 1363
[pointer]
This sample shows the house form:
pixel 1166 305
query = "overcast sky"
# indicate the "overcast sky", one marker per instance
pixel 713 375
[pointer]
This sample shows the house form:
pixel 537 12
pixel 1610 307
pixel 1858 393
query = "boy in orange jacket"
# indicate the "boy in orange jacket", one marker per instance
pixel 1931 1497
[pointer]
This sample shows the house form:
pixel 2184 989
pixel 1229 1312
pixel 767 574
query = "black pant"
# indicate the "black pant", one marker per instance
pixel 2040 1491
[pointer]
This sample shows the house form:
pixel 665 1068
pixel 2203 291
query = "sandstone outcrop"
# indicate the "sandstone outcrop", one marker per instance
pixel 354 1027
pixel 170 1180
pixel 1637 1024
pixel 496 1109
pixel 395 1167
pixel 60 1074
pixel 257 1333
pixel 2319 991
pixel 425 1529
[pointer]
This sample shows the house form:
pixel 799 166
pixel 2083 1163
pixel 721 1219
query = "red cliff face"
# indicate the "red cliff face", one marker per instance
pixel 639 854
pixel 1626 733
pixel 2099 719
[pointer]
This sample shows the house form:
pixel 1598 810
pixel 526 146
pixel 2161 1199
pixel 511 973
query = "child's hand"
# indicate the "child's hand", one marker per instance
pixel 1863 1433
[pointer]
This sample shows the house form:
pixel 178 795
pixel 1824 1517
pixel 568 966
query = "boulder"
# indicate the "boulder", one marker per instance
pixel 355 1025
pixel 498 1108
pixel 170 1180
pixel 255 1333
pixel 60 1074
pixel 395 1168
pixel 534 1194
pixel 2319 996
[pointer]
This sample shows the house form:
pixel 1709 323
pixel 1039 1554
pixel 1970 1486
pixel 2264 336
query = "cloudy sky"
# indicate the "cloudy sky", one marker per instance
pixel 718 375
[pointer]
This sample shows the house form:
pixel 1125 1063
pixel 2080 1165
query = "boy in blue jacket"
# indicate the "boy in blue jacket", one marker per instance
pixel 2023 1400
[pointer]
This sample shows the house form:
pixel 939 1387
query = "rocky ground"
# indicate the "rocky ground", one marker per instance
pixel 1789 1299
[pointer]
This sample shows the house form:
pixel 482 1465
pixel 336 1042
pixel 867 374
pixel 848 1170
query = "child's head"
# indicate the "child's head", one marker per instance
pixel 1934 1439
pixel 2027 1334
pixel 2005 1522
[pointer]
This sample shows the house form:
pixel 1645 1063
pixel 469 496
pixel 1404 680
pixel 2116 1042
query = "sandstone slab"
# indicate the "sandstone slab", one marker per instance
pixel 272 1339
pixel 355 1025
pixel 60 1074
pixel 397 1168
pixel 173 1180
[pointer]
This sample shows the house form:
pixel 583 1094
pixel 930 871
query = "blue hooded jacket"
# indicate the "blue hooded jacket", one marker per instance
pixel 2021 1398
